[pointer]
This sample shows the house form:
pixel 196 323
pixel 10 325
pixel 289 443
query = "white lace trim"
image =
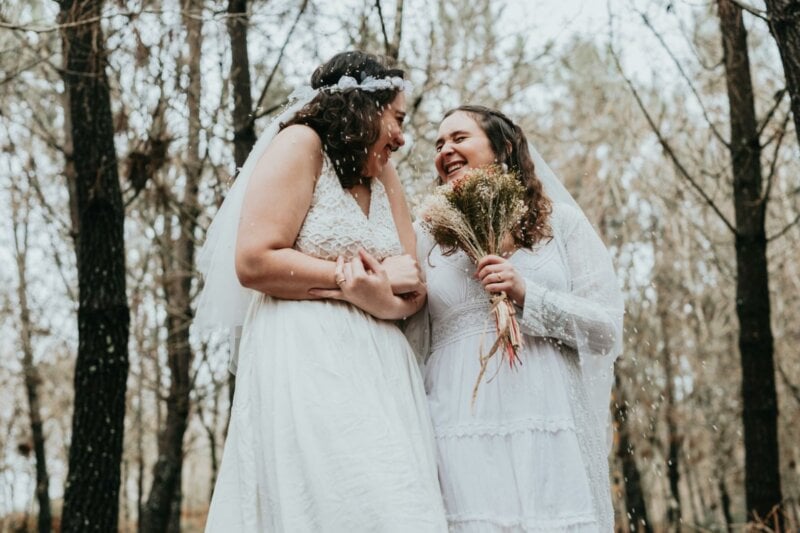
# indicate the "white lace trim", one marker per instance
pixel 525 425
pixel 335 224
pixel 526 523
pixel 461 321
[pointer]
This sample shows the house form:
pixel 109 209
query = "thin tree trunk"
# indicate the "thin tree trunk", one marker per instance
pixel 162 512
pixel 784 24
pixel 398 30
pixel 696 503
pixel 91 498
pixel 244 133
pixel 726 503
pixel 29 369
pixel 673 438
pixel 632 479
pixel 140 450
pixel 759 397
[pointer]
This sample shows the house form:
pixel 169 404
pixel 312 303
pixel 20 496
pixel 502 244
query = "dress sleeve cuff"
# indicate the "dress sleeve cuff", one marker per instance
pixel 532 318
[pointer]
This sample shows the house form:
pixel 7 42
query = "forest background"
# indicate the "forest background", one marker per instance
pixel 673 123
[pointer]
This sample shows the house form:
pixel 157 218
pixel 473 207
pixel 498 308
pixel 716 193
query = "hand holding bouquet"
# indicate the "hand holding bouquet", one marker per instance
pixel 477 213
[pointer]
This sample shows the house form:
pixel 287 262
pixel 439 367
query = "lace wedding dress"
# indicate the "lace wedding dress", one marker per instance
pixel 531 454
pixel 330 428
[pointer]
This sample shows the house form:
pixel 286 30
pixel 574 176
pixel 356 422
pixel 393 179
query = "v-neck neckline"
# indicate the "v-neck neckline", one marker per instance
pixel 371 207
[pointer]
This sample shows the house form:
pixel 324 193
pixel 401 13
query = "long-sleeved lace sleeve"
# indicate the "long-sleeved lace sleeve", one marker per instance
pixel 587 317
pixel 417 328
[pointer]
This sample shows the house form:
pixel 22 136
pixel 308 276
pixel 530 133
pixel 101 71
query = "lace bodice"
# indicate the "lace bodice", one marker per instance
pixel 561 299
pixel 335 224
pixel 458 304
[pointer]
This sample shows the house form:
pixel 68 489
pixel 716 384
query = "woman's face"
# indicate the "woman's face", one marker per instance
pixel 391 136
pixel 460 146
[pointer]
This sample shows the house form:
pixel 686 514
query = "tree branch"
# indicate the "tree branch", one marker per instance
pixel 778 99
pixel 387 45
pixel 667 148
pixel 278 61
pixel 752 10
pixel 785 229
pixel 780 134
pixel 686 78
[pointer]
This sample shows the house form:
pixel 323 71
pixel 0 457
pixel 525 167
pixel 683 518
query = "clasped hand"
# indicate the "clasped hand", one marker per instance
pixel 366 283
pixel 497 274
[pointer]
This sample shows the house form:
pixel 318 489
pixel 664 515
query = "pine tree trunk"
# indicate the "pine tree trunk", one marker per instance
pixel 784 24
pixel 759 398
pixel 162 512
pixel 91 498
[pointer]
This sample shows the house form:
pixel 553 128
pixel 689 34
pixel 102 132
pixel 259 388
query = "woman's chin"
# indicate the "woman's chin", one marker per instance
pixel 455 175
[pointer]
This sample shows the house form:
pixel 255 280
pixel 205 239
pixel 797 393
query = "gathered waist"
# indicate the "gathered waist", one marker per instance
pixel 460 321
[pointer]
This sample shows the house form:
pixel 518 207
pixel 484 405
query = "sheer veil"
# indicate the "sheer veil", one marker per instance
pixel 222 303
pixel 598 283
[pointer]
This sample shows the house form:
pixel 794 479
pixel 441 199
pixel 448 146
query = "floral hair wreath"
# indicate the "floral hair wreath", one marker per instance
pixel 347 83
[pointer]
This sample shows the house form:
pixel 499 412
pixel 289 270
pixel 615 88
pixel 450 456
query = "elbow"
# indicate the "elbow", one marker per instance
pixel 252 269
pixel 607 339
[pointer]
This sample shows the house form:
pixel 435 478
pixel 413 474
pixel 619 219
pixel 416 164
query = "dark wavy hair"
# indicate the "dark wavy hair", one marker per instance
pixel 348 122
pixel 510 147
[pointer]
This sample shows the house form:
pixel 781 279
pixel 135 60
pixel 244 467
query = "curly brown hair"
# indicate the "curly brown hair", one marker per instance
pixel 510 147
pixel 348 121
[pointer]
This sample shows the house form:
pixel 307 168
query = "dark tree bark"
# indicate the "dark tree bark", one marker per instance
pixel 632 479
pixel 784 24
pixel 726 503
pixel 244 133
pixel 673 438
pixel 91 498
pixel 162 511
pixel 30 371
pixel 759 397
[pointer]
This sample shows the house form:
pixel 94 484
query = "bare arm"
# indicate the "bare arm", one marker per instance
pixel 275 206
pixel 400 212
pixel 403 272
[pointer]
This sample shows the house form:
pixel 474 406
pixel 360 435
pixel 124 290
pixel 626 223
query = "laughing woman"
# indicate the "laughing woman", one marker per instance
pixel 531 454
pixel 329 430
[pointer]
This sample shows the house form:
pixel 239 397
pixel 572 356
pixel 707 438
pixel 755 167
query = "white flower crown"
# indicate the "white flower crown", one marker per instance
pixel 347 83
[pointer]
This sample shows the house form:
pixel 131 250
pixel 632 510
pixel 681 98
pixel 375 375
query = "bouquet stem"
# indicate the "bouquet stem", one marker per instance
pixel 509 337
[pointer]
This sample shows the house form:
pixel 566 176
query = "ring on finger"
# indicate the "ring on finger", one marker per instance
pixel 339 281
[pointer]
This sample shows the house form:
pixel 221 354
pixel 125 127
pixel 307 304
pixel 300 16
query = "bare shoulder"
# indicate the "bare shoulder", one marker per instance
pixel 297 139
pixel 300 133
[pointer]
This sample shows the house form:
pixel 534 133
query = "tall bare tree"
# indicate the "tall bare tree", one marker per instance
pixel 244 133
pixel 631 477
pixel 162 511
pixel 759 396
pixel 784 23
pixel 20 208
pixel 91 499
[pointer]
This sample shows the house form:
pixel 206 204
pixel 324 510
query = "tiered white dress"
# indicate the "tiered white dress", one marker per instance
pixel 330 430
pixel 531 454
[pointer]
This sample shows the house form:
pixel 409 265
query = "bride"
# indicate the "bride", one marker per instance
pixel 329 427
pixel 531 453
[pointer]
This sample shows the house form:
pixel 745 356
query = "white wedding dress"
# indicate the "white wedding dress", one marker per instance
pixel 330 430
pixel 531 454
